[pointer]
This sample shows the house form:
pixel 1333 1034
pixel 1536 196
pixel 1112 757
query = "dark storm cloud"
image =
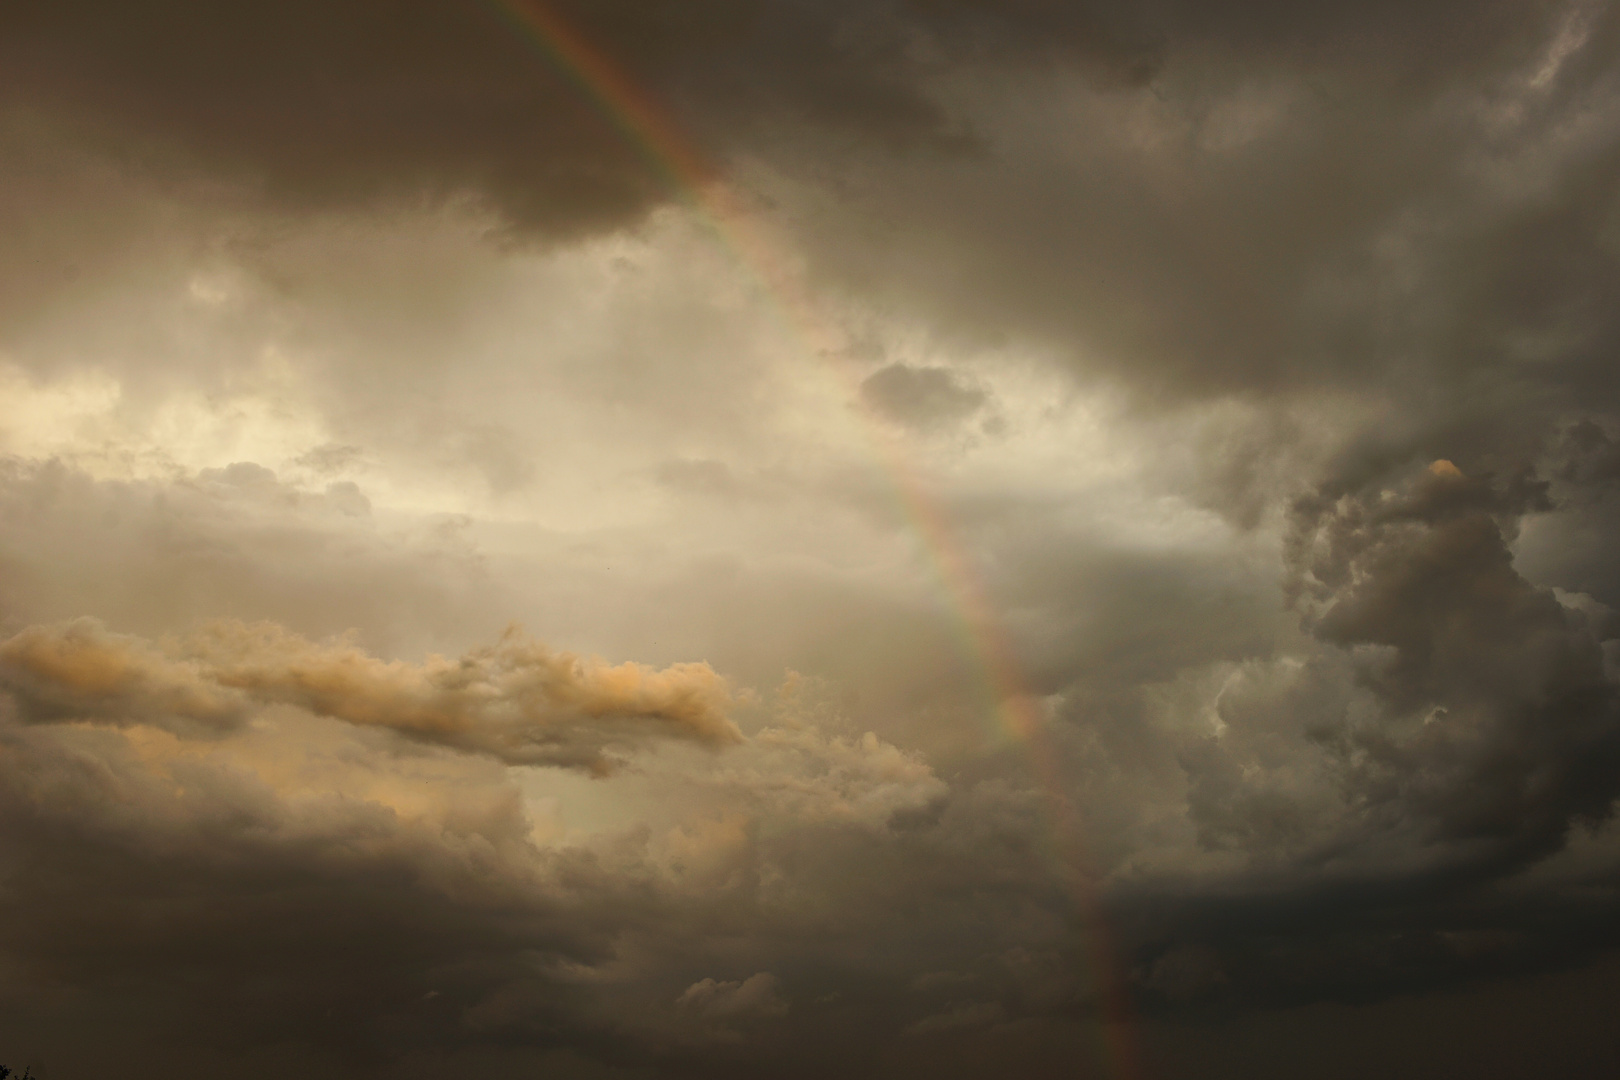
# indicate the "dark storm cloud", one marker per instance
pixel 331 926
pixel 1270 197
pixel 1389 793
pixel 1502 725
pixel 1372 801
pixel 327 103
pixel 1306 197
pixel 1382 236
pixel 356 100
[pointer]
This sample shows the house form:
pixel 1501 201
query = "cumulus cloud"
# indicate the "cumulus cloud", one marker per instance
pixel 1501 722
pixel 515 700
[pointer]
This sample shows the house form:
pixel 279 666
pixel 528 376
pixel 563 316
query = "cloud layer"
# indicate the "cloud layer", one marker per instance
pixel 1110 548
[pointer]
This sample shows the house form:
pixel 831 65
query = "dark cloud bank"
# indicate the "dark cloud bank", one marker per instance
pixel 1350 813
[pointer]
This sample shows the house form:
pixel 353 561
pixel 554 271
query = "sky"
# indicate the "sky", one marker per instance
pixel 802 538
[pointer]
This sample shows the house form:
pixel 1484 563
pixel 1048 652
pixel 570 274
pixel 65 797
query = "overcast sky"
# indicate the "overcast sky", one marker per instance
pixel 809 538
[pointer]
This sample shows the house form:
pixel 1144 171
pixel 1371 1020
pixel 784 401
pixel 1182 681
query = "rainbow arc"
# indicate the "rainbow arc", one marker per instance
pixel 988 647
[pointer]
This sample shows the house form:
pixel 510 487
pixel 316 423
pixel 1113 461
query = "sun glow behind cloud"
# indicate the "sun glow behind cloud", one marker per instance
pixel 1161 458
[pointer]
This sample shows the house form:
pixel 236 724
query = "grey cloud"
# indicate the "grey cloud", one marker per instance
pixel 374 914
pixel 1389 791
pixel 419 923
pixel 329 457
pixel 1186 973
pixel 980 1014
pixel 754 996
pixel 322 104
pixel 154 556
pixel 1305 196
pixel 333 913
pixel 1350 268
pixel 335 103
pixel 922 397
pixel 1502 723
pixel 1306 201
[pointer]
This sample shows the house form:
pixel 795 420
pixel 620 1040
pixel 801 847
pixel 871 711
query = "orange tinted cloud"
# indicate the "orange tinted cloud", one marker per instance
pixel 515 700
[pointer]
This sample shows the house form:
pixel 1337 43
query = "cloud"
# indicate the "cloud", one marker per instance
pixel 1306 203
pixel 1502 721
pixel 515 700
pixel 1293 325
pixel 922 397
pixel 980 1014
pixel 756 995
pixel 293 870
pixel 78 671
pixel 307 103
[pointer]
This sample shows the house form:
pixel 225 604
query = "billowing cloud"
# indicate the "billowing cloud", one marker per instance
pixel 1501 725
pixel 515 700
pixel 1112 535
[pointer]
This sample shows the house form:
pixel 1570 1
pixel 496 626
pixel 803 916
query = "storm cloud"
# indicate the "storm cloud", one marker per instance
pixel 1101 516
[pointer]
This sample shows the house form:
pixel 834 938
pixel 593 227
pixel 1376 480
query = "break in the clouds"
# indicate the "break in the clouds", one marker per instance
pixel 1055 539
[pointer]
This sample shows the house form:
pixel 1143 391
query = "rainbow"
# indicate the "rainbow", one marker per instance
pixel 648 129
